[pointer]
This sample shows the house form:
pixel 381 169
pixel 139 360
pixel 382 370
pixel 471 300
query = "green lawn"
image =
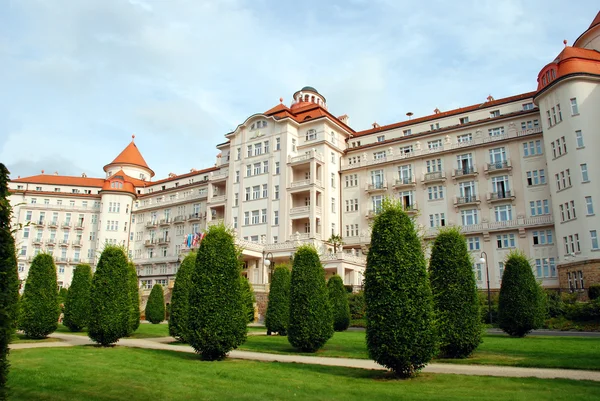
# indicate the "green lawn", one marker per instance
pixel 145 330
pixel 534 351
pixel 19 338
pixel 135 374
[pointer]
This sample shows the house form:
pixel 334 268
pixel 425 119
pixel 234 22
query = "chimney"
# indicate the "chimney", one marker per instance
pixel 437 111
pixel 375 125
pixel 83 175
pixel 345 119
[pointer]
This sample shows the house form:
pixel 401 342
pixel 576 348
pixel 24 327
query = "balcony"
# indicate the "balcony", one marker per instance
pixel 39 223
pixel 372 213
pixel 437 176
pixel 405 182
pixel 466 172
pixel 61 259
pixel 76 244
pixel 179 219
pixel 195 216
pixel 218 176
pixel 65 225
pixel 500 196
pixel 37 241
pixel 153 223
pixel 53 224
pixel 51 242
pixel 411 209
pixel 218 198
pixel 300 210
pixel 77 260
pixel 150 242
pixel 64 242
pixel 466 201
pixel 305 157
pixel 498 167
pixel 299 183
pixel 377 187
pixel 164 240
pixel 164 222
pixel 79 226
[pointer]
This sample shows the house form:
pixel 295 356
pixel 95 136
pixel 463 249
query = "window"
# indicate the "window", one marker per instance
pixel 247 194
pixel 434 166
pixel 265 167
pixel 311 134
pixel 333 158
pixel 249 151
pixel 505 241
pixel 543 237
pixel 436 192
pixel 589 205
pixel 501 269
pixel 536 177
pixel 407 132
pixel 255 192
pixel 377 202
pixel 545 268
pixel 257 168
pixel 265 191
pixel 584 173
pixel 277 143
pixel 579 139
pixel 263 216
pixel 332 180
pixel 352 230
pixel 532 148
pixel 333 138
pixel 494 113
pixel 276 217
pixel 276 168
pixel 501 187
pixel 465 138
pixel 496 131
pixel 559 147
pixel 248 170
pixel 255 217
pixel 351 180
pixel 379 155
pixel 293 144
pixel 594 239
pixel 380 138
pixel 567 211
pixel 237 176
pixel 463 120
pixel 351 205
pixel 503 212
pixel 238 153
pixel 528 106
pixel 531 124
pixel 276 192
pixel 437 144
pixel 437 220
pixel 574 107
pixel 539 207
pixel 404 150
pixel 266 146
pixel 246 218
pixel 571 244
pixel 469 217
pixel 497 156
pixel 473 244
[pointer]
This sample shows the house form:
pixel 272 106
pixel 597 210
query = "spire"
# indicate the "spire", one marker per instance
pixel 131 156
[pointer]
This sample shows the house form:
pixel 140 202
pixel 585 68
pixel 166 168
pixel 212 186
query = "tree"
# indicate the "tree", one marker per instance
pixel 217 320
pixel 40 309
pixel 311 321
pixel 248 297
pixel 455 296
pixel 278 308
pixel 110 298
pixel 134 299
pixel 9 278
pixel 155 307
pixel 178 325
pixel 62 297
pixel 77 304
pixel 338 297
pixel 399 310
pixel 336 241
pixel 521 306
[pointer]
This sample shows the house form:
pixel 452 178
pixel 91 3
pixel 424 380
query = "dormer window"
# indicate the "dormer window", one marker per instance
pixel 116 185
pixel 464 120
pixel 142 176
pixel 258 124
pixel 494 113
pixel 381 138
pixel 528 106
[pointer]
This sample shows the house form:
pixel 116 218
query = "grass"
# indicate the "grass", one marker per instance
pixel 19 338
pixel 135 374
pixel 146 330
pixel 532 351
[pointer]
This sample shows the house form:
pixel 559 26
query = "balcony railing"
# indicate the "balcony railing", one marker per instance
pixel 152 223
pixel 306 157
pixel 179 219
pixel 53 224
pixel 51 241
pixel 39 223
pixel 498 166
pixel 77 243
pixel 172 201
pixel 64 242
pixel 300 210
pixel 500 195
pixel 164 222
pixel 405 182
pixel 466 171
pixel 164 240
pixel 66 224
pixel 218 198
pixel 466 200
pixel 435 176
pixel 300 183
pixel 36 241
pixel 79 226
pixel 61 259
pixel 377 186
pixel 196 216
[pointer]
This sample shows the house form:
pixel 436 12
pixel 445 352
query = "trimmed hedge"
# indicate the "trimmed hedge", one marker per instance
pixel 455 296
pixel 77 304
pixel 134 299
pixel 39 307
pixel 338 298
pixel 9 279
pixel 155 307
pixel 594 292
pixel 399 309
pixel 311 320
pixel 217 320
pixel 356 302
pixel 248 297
pixel 521 305
pixel 110 298
pixel 179 298
pixel 278 309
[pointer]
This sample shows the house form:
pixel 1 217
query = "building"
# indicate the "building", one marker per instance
pixel 516 172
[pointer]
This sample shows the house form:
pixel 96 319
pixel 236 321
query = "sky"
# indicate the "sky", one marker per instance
pixel 78 78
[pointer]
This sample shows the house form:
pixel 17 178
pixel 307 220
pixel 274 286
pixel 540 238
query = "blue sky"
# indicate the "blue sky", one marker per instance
pixel 77 78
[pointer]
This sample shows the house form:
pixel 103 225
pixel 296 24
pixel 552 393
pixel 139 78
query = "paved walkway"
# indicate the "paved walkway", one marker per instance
pixel 447 368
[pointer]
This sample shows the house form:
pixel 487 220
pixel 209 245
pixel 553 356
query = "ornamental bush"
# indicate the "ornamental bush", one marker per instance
pixel 39 308
pixel 217 320
pixel 179 298
pixel 77 304
pixel 9 279
pixel 311 321
pixel 278 308
pixel 455 295
pixel 594 292
pixel 134 299
pixel 338 298
pixel 155 307
pixel 399 310
pixel 521 306
pixel 248 297
pixel 356 302
pixel 110 298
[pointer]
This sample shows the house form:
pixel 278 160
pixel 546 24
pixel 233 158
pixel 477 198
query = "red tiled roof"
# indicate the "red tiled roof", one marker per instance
pixel 131 156
pixel 177 177
pixel 572 60
pixel 305 111
pixel 448 113
pixel 61 180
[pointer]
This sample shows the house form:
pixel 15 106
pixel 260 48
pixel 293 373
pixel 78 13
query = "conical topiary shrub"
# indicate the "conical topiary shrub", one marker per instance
pixel 399 309
pixel 278 308
pixel 39 308
pixel 521 306
pixel 455 298
pixel 178 318
pixel 134 297
pixel 155 307
pixel 311 322
pixel 217 320
pixel 338 297
pixel 77 305
pixel 110 298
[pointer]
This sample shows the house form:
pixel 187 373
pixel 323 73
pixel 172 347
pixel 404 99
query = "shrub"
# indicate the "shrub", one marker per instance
pixel 338 298
pixel 134 299
pixel 594 292
pixel 583 311
pixel 521 306
pixel 179 298
pixel 356 302
pixel 399 310
pixel 62 298
pixel 40 309
pixel 155 307
pixel 484 307
pixel 248 298
pixel 555 305
pixel 9 279
pixel 311 321
pixel 77 304
pixel 217 320
pixel 278 308
pixel 455 296
pixel 110 298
